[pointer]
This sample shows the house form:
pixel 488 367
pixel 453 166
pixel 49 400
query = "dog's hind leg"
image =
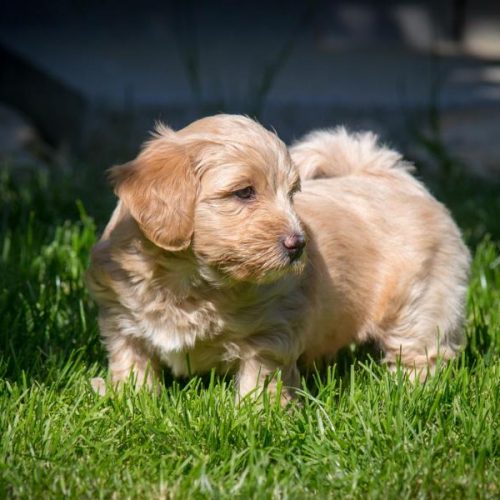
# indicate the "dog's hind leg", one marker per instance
pixel 420 341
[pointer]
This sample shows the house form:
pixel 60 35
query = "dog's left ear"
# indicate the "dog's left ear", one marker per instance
pixel 159 188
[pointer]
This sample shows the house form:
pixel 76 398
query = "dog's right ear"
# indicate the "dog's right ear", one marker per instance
pixel 159 188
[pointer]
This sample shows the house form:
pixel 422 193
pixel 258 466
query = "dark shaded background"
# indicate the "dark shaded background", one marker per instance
pixel 88 78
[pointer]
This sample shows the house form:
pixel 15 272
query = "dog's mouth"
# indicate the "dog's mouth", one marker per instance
pixel 295 267
pixel 261 270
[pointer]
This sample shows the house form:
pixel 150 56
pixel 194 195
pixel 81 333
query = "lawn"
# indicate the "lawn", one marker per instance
pixel 359 432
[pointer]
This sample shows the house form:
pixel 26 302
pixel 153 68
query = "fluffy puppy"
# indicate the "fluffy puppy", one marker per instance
pixel 202 264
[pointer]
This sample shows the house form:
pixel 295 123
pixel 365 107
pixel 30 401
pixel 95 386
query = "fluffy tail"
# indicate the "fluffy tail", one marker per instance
pixel 336 152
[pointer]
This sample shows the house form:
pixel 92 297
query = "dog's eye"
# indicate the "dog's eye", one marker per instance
pixel 245 193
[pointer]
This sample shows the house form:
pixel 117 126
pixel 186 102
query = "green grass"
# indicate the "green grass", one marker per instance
pixel 360 431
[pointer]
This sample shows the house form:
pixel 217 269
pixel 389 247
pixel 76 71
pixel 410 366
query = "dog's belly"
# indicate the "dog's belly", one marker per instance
pixel 197 360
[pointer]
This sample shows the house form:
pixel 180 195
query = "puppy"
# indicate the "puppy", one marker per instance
pixel 203 264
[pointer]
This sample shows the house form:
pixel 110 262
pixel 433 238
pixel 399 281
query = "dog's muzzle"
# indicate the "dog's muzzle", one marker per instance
pixel 293 245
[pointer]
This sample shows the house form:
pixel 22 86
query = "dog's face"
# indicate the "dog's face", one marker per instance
pixel 223 186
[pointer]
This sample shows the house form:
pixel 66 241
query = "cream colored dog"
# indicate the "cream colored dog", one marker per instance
pixel 202 264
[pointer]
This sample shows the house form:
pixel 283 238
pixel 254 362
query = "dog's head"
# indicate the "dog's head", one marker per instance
pixel 222 186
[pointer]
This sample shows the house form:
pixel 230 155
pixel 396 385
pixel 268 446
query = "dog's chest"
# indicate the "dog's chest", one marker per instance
pixel 193 327
pixel 178 326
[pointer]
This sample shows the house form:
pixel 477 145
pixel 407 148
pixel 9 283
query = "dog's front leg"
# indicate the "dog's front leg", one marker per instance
pixel 258 373
pixel 128 360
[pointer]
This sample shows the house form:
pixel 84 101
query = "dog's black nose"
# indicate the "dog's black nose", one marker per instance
pixel 294 245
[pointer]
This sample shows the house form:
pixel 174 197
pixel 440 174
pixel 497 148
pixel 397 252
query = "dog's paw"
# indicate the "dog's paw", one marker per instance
pixel 98 385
